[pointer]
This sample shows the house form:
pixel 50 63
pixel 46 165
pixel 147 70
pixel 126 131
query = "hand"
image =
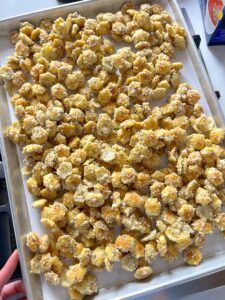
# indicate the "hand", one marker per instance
pixel 15 287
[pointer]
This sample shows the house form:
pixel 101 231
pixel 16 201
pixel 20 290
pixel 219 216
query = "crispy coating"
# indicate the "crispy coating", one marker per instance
pixel 179 232
pixel 169 194
pixel 186 212
pixel 46 262
pixel 66 245
pixel 122 161
pixel 152 207
pixel 35 264
pixel 143 273
pixel 220 221
pixel 151 251
pixel 73 293
pixel 88 286
pixel 76 274
pixel 192 256
pixel 202 196
pixel 98 257
pixel 133 199
pixel 55 212
pixel 51 181
pixel 129 263
pixel 52 278
pixel 33 242
pixel 214 176
pixel 44 243
pixel 125 243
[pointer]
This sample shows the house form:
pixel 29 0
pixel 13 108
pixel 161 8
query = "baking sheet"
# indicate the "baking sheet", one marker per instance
pixel 112 285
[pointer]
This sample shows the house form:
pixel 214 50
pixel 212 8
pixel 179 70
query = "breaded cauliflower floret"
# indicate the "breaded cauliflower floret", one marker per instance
pixel 125 243
pixel 52 278
pixel 35 264
pixel 186 212
pixel 98 257
pixel 217 135
pixel 58 91
pixel 88 286
pixel 129 263
pixel 169 194
pixel 202 196
pixel 65 244
pixel 133 199
pixel 51 181
pixel 33 242
pixel 64 170
pixel 75 274
pixel 55 212
pixel 128 174
pixel 152 207
pixel 74 80
pixel 151 251
pixel 197 141
pixel 192 256
pixel 143 273
pixel 214 176
pixel 104 125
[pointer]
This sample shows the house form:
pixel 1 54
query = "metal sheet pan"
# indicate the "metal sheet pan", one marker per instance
pixel 118 284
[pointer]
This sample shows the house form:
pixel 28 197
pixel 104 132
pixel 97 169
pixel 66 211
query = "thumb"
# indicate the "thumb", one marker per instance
pixel 9 268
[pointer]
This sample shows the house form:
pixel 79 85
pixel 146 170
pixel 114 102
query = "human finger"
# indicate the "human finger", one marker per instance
pixel 12 289
pixel 9 268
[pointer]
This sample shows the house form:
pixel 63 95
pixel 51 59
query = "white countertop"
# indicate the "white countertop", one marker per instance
pixel 214 58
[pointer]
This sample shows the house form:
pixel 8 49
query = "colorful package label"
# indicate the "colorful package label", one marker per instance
pixel 213 12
